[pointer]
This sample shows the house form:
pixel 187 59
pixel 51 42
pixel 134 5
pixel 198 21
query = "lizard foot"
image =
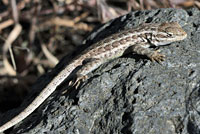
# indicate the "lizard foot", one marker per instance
pixel 78 81
pixel 156 56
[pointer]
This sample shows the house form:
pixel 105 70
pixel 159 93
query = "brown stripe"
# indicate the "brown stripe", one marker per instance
pixel 108 47
pixel 107 40
pixel 120 35
pixel 134 37
pixel 160 36
pixel 122 41
pixel 115 44
pixel 114 37
pixel 132 30
pixel 142 36
pixel 125 33
pixel 101 49
pixel 128 38
pixel 153 29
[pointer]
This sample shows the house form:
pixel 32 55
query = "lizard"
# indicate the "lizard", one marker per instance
pixel 136 40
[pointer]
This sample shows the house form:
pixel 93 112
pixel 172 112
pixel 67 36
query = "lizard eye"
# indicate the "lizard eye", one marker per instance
pixel 169 35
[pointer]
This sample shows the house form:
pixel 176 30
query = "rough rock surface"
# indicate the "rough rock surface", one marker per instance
pixel 130 94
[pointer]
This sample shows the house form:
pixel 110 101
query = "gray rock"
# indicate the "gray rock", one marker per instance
pixel 130 94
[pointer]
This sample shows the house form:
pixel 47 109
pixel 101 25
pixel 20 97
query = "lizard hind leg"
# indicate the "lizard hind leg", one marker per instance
pixel 85 69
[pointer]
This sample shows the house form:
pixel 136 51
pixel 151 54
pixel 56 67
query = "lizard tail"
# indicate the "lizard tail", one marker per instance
pixel 46 92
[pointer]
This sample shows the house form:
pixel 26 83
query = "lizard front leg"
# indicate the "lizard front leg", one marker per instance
pixel 153 55
pixel 85 69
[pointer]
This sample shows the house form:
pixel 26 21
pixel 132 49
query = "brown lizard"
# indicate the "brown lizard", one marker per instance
pixel 137 40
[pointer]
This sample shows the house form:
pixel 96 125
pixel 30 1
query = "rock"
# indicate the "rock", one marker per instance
pixel 130 94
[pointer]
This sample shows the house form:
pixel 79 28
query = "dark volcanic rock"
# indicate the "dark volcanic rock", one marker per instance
pixel 130 94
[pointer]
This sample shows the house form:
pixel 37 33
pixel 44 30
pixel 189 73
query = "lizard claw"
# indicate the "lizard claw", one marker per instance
pixel 156 56
pixel 78 81
pixel 71 83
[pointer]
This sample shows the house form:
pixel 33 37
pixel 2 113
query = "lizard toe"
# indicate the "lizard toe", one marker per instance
pixel 158 57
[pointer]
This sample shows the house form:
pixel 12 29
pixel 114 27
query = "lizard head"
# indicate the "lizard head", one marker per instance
pixel 168 32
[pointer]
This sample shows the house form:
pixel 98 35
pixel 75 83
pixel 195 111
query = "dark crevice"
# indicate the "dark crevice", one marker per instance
pixel 115 66
pixel 127 120
pixel 136 91
pixel 190 13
